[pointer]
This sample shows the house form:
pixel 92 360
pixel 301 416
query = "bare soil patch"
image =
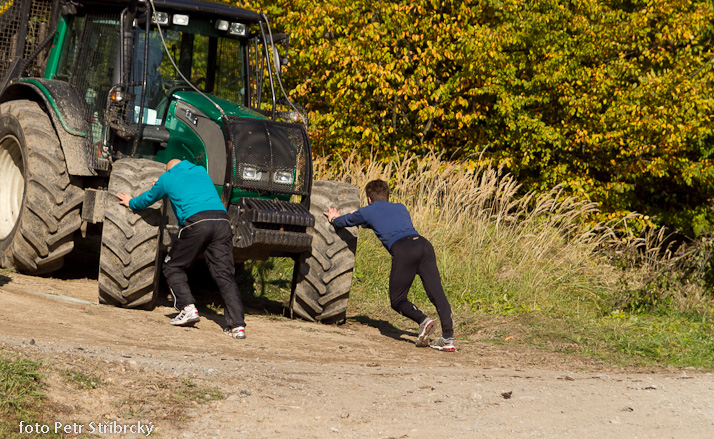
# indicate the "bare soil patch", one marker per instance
pixel 294 379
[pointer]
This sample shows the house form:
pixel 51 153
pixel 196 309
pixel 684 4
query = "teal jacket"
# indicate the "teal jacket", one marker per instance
pixel 188 187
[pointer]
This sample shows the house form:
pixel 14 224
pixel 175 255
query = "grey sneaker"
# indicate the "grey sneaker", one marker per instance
pixel 425 330
pixel 237 332
pixel 187 316
pixel 443 344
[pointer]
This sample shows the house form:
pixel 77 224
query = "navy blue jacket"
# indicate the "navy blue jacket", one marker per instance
pixel 390 221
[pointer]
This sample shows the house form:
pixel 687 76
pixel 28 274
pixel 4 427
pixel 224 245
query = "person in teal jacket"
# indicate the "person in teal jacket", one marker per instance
pixel 204 227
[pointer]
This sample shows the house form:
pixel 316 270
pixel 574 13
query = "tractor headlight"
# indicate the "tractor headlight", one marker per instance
pixel 160 18
pixel 252 174
pixel 222 25
pixel 238 29
pixel 180 20
pixel 283 177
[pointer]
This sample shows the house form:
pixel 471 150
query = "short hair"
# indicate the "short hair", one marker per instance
pixel 377 190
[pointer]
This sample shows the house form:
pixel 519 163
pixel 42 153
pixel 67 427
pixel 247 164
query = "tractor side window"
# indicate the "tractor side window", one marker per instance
pixel 97 58
pixel 230 70
pixel 154 91
pixel 70 49
pixel 89 65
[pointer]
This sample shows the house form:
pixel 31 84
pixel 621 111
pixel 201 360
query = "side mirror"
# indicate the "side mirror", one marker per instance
pixel 277 59
pixel 283 39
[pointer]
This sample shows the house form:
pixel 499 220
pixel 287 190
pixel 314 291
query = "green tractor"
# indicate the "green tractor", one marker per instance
pixel 97 95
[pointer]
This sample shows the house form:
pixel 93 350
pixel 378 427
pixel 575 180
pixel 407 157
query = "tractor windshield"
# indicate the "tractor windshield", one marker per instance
pixel 212 61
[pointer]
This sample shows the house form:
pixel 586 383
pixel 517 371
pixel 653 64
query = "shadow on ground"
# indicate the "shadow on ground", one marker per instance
pixel 209 301
pixel 82 262
pixel 4 280
pixel 385 328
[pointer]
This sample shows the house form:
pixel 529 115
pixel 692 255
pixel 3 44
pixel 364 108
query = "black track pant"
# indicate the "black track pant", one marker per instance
pixel 411 256
pixel 208 232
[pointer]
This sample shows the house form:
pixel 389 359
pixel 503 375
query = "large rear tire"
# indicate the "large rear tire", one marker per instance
pixel 322 277
pixel 39 200
pixel 129 257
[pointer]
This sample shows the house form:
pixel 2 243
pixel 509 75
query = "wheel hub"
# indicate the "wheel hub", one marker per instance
pixel 12 184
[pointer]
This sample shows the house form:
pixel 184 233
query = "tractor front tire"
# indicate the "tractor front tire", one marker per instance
pixel 39 200
pixel 322 277
pixel 129 256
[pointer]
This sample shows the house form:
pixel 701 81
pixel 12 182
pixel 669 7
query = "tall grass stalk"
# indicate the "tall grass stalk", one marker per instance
pixel 658 278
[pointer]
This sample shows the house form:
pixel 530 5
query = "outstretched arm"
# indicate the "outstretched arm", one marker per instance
pixel 148 198
pixel 353 218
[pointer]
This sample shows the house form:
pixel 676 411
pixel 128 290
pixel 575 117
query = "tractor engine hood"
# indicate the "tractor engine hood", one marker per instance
pixel 268 157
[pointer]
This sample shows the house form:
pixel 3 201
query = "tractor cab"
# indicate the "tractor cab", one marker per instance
pixel 139 64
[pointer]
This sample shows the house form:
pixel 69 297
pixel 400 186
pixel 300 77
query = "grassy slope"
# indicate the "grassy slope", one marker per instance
pixel 522 268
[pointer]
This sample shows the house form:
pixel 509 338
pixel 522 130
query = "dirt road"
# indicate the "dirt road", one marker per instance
pixel 293 379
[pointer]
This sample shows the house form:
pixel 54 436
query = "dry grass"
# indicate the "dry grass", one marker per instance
pixel 658 275
pixel 499 249
pixel 505 250
pixel 603 289
pixel 538 265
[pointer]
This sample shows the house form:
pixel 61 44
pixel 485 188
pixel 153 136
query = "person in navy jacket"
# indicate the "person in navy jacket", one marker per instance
pixel 204 227
pixel 412 254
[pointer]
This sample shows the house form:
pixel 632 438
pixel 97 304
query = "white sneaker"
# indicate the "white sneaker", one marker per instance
pixel 237 332
pixel 425 330
pixel 443 344
pixel 187 316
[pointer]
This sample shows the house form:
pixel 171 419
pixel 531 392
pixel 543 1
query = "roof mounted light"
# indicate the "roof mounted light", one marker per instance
pixel 180 20
pixel 160 18
pixel 238 29
pixel 222 25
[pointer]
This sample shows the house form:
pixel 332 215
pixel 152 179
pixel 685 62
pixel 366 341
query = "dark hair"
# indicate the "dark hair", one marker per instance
pixel 377 190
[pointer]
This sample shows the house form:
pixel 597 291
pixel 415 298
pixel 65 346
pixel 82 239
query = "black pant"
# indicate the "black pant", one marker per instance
pixel 411 256
pixel 208 232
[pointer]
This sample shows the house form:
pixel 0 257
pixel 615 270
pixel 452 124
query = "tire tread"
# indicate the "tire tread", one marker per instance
pixel 51 208
pixel 130 240
pixel 324 275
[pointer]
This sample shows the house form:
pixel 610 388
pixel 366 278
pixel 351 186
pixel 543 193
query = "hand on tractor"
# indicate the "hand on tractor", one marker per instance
pixel 124 198
pixel 331 214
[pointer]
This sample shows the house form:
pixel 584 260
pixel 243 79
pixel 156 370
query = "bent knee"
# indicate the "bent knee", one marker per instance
pixel 398 305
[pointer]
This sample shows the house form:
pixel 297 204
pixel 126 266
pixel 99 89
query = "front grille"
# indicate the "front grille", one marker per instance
pixel 276 212
pixel 270 157
pixel 269 226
